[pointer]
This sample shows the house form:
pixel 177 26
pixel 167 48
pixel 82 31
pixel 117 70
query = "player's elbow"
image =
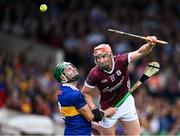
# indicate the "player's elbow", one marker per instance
pixel 141 53
pixel 134 56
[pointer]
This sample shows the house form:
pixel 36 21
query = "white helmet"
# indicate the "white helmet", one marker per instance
pixel 100 50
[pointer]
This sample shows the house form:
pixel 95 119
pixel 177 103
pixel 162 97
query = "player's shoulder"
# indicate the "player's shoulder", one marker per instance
pixel 121 57
pixel 74 94
pixel 95 70
pixel 69 90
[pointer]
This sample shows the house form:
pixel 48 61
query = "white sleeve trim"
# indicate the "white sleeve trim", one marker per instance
pixel 129 58
pixel 90 86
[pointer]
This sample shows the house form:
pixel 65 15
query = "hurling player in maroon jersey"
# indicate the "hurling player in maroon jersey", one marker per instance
pixel 110 76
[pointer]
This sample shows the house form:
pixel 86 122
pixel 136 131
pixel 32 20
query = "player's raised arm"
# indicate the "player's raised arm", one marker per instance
pixel 143 50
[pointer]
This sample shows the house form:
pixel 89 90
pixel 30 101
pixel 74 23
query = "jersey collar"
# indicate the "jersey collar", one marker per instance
pixel 71 86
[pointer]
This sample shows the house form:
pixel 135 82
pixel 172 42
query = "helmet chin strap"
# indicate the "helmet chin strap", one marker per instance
pixel 65 79
pixel 75 78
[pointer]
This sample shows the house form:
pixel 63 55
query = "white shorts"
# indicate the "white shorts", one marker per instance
pixel 125 112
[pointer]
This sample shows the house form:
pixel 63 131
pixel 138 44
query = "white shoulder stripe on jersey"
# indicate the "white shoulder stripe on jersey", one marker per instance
pixel 129 60
pixel 90 86
pixel 70 85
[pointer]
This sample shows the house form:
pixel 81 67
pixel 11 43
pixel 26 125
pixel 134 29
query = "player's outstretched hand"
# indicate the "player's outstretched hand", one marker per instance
pixel 152 40
pixel 110 112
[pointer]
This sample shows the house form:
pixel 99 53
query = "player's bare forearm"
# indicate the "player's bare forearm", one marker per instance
pixel 143 50
pixel 86 92
pixel 86 112
pixel 89 101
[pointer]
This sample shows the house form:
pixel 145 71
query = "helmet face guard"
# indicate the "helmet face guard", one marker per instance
pixel 102 51
pixel 66 72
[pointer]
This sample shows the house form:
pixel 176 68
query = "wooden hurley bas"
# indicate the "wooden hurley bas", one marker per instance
pixel 136 36
pixel 151 69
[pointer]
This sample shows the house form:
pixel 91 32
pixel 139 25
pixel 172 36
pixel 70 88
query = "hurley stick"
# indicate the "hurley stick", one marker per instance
pixel 136 36
pixel 151 69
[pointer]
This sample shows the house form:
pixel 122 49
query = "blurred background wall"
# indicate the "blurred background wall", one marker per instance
pixel 32 49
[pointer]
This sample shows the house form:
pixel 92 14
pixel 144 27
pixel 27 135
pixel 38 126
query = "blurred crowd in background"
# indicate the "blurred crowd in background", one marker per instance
pixel 76 27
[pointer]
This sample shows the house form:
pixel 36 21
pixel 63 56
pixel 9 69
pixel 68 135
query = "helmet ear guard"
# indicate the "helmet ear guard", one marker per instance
pixel 63 78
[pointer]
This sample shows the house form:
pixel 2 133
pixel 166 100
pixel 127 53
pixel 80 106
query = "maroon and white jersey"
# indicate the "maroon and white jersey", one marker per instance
pixel 113 85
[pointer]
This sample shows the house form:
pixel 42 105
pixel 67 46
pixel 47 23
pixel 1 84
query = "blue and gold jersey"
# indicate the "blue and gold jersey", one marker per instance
pixel 70 100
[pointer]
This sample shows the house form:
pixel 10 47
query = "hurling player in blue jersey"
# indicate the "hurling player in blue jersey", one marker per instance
pixel 110 76
pixel 72 105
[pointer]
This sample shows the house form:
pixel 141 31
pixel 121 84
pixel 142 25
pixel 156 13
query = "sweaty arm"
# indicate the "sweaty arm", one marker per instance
pixel 87 95
pixel 86 113
pixel 81 105
pixel 95 110
pixel 143 50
